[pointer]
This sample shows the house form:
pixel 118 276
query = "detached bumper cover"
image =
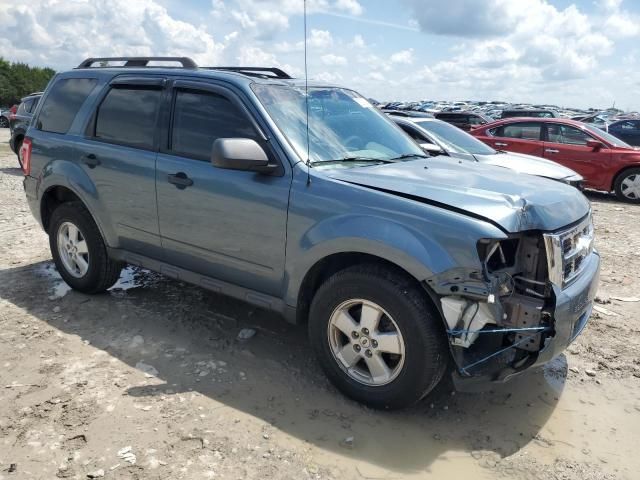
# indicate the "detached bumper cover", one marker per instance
pixel 573 309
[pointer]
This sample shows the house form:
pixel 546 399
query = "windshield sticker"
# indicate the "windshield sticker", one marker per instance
pixel 363 102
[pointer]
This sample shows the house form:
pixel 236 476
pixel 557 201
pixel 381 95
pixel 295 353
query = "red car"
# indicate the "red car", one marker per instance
pixel 605 162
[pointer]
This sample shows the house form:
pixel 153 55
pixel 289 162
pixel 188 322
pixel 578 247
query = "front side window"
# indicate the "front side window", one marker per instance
pixel 200 118
pixel 127 116
pixel 565 134
pixel 63 103
pixel 523 131
pixel 342 125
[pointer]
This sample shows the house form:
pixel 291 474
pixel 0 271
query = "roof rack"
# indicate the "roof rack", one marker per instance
pixel 263 72
pixel 186 62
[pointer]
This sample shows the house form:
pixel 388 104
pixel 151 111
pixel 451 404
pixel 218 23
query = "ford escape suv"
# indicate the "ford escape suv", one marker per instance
pixel 308 201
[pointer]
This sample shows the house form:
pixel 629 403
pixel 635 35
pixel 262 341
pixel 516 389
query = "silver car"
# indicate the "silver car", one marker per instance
pixel 440 138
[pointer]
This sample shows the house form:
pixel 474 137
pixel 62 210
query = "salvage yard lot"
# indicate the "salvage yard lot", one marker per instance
pixel 159 368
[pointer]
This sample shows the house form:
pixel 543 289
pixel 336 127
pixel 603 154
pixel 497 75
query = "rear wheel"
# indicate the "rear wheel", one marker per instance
pixel 627 185
pixel 377 337
pixel 79 251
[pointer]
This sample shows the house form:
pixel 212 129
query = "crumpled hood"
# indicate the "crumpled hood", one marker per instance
pixel 514 201
pixel 528 164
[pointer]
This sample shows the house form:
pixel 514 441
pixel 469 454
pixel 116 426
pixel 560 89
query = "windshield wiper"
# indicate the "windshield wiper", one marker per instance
pixel 355 160
pixel 409 155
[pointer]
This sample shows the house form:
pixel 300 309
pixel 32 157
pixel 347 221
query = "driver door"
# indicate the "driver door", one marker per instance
pixel 226 224
pixel 567 145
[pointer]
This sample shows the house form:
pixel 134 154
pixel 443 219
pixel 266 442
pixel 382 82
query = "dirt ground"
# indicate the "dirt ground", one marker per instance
pixel 149 381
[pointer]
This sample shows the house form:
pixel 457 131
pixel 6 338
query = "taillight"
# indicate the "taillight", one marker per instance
pixel 25 153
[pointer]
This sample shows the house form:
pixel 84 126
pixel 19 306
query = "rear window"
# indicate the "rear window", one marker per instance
pixel 128 116
pixel 63 102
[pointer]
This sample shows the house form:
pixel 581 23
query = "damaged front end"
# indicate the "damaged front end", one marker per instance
pixel 531 297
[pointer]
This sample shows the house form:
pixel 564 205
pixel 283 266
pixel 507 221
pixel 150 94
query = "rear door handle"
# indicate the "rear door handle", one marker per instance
pixel 180 180
pixel 500 144
pixel 551 150
pixel 90 160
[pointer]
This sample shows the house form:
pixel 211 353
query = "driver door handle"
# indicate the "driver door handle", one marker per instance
pixel 551 150
pixel 500 144
pixel 180 180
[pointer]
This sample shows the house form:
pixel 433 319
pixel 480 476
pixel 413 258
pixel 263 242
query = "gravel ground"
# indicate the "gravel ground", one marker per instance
pixel 150 381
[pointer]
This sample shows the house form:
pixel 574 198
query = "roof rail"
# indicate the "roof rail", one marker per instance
pixel 256 71
pixel 186 62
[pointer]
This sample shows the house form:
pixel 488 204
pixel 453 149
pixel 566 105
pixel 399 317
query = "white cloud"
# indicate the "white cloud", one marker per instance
pixel 320 39
pixel 358 42
pixel 61 34
pixel 331 59
pixel 349 6
pixel 403 56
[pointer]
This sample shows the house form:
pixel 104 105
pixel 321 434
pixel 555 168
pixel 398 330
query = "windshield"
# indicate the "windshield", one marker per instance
pixel 456 137
pixel 342 125
pixel 615 141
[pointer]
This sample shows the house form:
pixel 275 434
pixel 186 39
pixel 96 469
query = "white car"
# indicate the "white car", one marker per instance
pixel 440 138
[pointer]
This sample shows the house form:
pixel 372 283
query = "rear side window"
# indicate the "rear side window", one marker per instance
pixel 128 116
pixel 34 104
pixel 63 102
pixel 200 118
pixel 24 106
pixel 525 131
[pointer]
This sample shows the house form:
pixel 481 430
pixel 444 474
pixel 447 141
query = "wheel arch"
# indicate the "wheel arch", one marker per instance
pixel 615 176
pixel 331 264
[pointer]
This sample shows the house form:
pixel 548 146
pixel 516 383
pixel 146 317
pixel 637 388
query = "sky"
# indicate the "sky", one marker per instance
pixel 580 53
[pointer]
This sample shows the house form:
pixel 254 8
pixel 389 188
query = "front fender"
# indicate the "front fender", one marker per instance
pixel 399 244
pixel 67 174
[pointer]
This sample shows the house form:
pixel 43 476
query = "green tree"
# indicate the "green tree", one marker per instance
pixel 19 79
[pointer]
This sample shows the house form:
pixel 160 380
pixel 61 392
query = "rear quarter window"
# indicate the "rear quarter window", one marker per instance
pixel 63 102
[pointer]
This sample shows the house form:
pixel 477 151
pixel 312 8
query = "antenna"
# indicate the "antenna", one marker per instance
pixel 306 94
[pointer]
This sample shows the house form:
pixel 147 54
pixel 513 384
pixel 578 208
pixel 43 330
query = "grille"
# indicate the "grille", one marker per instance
pixel 567 251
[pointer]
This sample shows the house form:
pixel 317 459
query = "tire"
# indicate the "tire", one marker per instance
pixel 18 149
pixel 406 311
pixel 101 271
pixel 624 188
pixel 4 122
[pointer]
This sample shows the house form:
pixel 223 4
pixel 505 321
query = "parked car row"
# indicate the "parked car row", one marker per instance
pixel 625 126
pixel 403 266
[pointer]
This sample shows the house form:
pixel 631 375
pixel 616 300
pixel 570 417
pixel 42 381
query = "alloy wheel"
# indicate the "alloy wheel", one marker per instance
pixel 73 249
pixel 366 342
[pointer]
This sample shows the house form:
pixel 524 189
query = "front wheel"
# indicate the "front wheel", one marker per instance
pixel 4 122
pixel 627 185
pixel 79 251
pixel 377 337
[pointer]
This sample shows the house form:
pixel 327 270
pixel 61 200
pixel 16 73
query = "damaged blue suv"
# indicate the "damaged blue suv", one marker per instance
pixel 307 201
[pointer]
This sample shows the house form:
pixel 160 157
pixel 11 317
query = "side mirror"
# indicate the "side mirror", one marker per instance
pixel 595 145
pixel 240 154
pixel 431 149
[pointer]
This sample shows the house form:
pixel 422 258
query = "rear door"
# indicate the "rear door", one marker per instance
pixel 520 137
pixel 567 145
pixel 226 224
pixel 119 155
